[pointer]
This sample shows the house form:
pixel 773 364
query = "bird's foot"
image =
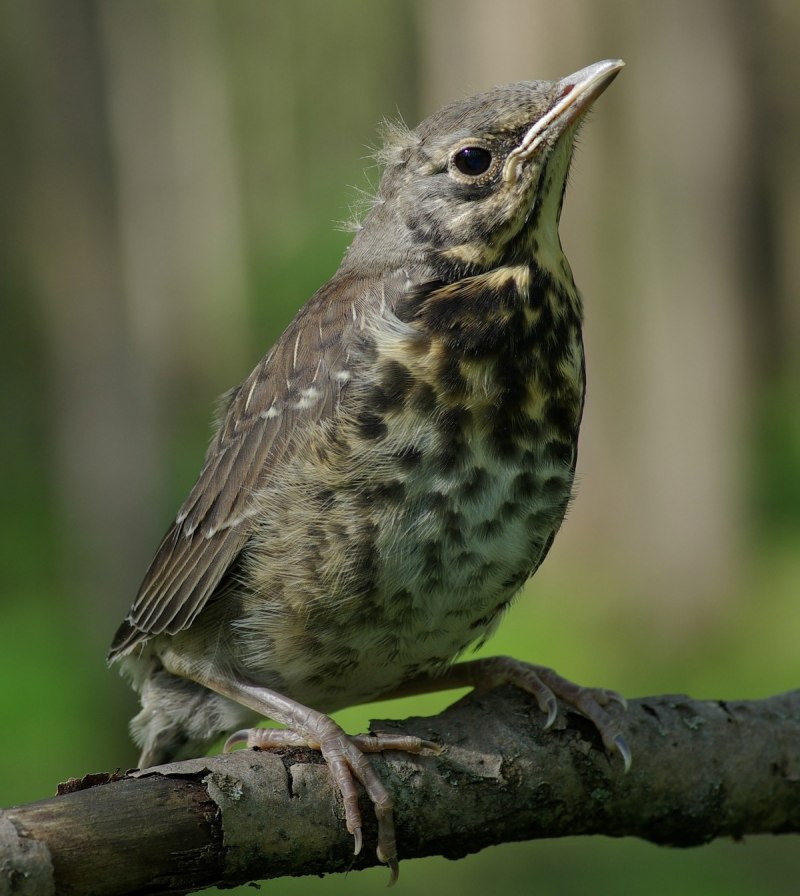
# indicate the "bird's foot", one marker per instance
pixel 346 759
pixel 542 682
pixel 546 686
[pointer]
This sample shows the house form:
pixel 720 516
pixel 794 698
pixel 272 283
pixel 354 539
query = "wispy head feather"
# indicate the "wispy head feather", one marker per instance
pixel 398 141
pixel 360 206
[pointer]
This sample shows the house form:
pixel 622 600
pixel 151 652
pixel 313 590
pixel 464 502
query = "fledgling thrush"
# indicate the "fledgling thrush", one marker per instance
pixel 391 473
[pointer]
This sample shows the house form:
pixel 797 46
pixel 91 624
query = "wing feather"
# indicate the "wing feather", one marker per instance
pixel 298 384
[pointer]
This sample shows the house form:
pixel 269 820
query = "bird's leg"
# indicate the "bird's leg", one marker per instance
pixel 344 755
pixel 542 682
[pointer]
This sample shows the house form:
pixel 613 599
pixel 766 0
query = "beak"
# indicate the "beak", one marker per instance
pixel 575 94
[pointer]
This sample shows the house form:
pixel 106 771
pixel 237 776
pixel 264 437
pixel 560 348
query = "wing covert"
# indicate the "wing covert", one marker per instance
pixel 296 386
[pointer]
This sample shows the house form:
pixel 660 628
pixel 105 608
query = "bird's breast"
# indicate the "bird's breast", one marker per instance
pixel 446 475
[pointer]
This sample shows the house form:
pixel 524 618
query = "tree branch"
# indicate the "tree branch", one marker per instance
pixel 701 770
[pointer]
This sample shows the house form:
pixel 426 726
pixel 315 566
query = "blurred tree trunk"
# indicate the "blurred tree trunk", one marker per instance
pixel 776 224
pixel 180 215
pixel 133 227
pixel 101 420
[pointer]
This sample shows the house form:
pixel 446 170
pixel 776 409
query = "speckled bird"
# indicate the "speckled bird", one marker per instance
pixel 384 482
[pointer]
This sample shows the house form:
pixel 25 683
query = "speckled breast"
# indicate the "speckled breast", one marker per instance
pixel 445 479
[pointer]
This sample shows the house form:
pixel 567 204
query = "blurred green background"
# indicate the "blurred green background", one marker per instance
pixel 171 177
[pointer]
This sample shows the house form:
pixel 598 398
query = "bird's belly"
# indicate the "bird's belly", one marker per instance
pixel 458 551
pixel 436 563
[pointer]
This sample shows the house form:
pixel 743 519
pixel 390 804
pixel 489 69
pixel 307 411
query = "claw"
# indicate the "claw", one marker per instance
pixel 358 841
pixel 624 751
pixel 552 712
pixel 616 697
pixel 394 872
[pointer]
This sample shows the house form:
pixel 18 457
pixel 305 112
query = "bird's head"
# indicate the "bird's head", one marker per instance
pixel 480 173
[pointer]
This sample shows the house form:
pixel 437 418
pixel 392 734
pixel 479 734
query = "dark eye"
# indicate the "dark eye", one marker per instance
pixel 473 160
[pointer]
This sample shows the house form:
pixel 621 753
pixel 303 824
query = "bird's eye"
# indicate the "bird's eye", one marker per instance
pixel 473 160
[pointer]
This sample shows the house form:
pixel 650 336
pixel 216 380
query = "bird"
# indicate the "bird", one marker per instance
pixel 392 472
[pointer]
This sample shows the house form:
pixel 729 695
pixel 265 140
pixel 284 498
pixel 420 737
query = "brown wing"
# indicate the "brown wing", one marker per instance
pixel 297 385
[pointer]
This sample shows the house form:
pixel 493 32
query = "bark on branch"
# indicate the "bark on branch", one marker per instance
pixel 701 770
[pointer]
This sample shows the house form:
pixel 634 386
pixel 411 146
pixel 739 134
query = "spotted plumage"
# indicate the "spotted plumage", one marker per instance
pixel 387 478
